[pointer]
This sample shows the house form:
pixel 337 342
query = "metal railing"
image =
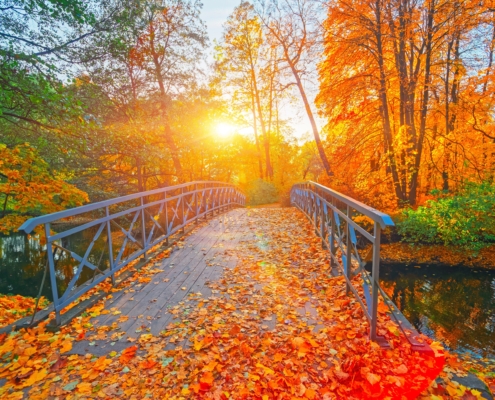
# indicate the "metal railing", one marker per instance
pixel 339 221
pixel 122 230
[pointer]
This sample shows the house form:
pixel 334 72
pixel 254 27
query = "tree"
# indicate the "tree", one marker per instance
pixel 27 186
pixel 294 26
pixel 169 49
pixel 397 67
pixel 239 61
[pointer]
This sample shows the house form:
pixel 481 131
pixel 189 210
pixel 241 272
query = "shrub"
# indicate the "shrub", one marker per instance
pixel 261 192
pixel 465 220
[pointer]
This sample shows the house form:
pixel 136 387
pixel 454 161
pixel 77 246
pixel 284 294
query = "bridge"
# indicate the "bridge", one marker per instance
pixel 154 263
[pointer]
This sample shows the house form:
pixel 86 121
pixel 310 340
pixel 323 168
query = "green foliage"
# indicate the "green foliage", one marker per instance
pixel 465 220
pixel 261 192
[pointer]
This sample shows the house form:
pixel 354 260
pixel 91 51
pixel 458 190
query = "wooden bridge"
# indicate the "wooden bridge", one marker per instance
pixel 190 266
pixel 125 230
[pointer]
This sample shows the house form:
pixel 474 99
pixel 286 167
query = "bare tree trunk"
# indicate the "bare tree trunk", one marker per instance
pixel 268 170
pixel 309 112
pixel 450 119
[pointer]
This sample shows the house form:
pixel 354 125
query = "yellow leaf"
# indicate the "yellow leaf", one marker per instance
pixel 185 391
pixel 85 388
pixel 267 370
pixel 35 377
pixel 66 346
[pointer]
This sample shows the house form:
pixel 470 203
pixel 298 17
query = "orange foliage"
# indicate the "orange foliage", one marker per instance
pixel 406 91
pixel 27 185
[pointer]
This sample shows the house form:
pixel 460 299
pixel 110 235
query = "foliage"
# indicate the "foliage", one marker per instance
pixel 261 192
pixel 16 307
pixel 465 220
pixel 404 90
pixel 28 186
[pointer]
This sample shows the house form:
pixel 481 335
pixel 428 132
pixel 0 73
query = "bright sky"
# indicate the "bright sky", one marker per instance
pixel 215 13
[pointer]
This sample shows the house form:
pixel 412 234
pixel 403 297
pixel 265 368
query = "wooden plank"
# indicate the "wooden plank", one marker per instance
pixel 158 298
pixel 191 245
pixel 209 274
pixel 196 275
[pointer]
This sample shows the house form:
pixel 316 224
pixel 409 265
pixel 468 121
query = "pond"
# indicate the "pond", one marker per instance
pixel 454 305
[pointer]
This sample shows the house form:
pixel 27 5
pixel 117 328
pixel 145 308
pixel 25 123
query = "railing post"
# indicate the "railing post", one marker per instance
pixel 348 270
pixel 375 271
pixel 166 217
pixel 53 276
pixel 196 210
pixel 143 229
pixel 332 239
pixel 182 200
pixel 315 214
pixel 205 200
pixel 323 218
pixel 110 246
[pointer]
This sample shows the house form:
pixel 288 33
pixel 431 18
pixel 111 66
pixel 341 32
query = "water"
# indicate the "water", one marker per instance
pixel 453 305
pixel 23 260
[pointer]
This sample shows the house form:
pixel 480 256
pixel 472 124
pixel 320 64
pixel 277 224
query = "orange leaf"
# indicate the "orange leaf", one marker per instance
pixel 372 378
pixel 207 377
pixel 211 366
pixel 148 364
pixel 128 354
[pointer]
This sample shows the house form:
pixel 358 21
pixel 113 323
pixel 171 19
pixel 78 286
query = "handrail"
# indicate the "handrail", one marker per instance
pixel 331 213
pixel 383 219
pixel 158 215
pixel 32 223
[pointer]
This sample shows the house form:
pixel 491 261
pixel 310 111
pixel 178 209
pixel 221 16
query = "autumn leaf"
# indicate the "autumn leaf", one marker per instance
pixel 128 354
pixel 59 364
pixel 206 381
pixel 35 377
pixel 373 378
pixel 148 364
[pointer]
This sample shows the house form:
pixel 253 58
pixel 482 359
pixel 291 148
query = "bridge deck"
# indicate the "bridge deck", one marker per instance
pixel 246 306
pixel 186 278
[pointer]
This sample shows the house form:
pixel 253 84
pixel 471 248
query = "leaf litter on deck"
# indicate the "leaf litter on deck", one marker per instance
pixel 276 326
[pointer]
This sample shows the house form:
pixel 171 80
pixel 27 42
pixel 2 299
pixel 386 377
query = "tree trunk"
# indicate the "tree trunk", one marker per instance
pixel 309 112
pixel 174 151
pixel 384 107
pixel 255 127
pixel 424 106
pixel 269 171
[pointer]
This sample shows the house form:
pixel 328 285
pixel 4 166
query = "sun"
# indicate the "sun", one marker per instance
pixel 224 130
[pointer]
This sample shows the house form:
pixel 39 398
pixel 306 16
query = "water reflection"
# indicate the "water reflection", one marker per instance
pixel 454 305
pixel 23 260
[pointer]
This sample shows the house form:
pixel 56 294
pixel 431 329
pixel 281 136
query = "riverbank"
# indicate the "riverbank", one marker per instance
pixel 438 255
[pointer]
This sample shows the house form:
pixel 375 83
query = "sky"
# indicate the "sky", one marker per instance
pixel 214 14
